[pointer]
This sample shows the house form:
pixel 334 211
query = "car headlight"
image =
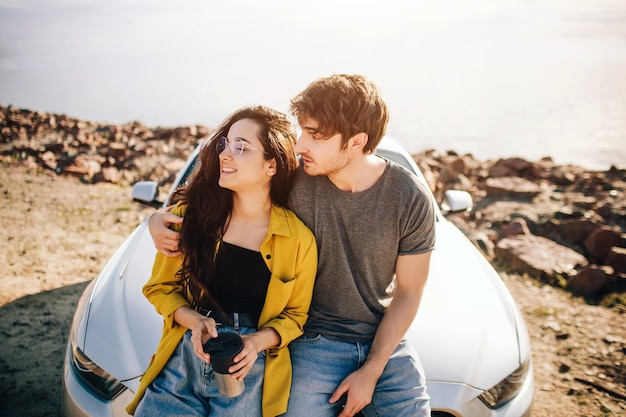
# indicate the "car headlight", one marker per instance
pixel 97 379
pixel 507 389
pixel 94 378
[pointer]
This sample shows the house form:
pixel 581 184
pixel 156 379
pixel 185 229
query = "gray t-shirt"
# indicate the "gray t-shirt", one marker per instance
pixel 359 236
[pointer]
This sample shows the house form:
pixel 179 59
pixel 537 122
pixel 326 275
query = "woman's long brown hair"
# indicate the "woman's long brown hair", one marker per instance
pixel 209 205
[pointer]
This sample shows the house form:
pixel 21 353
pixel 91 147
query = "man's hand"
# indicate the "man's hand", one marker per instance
pixel 166 240
pixel 359 388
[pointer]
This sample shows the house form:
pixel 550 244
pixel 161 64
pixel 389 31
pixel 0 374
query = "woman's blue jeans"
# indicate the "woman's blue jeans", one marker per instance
pixel 320 364
pixel 187 387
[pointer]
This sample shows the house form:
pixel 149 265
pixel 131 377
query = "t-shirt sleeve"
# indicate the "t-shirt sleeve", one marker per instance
pixel 418 228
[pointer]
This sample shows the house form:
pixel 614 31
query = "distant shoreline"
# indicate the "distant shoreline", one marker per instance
pixel 42 116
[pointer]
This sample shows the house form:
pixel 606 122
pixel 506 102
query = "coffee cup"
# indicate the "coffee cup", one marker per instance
pixel 222 350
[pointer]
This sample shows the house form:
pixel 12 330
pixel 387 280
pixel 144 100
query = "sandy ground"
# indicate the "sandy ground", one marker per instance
pixel 58 233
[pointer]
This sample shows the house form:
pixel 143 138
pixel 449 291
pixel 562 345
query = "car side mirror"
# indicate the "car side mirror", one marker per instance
pixel 456 201
pixel 147 192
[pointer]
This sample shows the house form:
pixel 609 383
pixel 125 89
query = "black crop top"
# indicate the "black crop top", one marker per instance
pixel 242 278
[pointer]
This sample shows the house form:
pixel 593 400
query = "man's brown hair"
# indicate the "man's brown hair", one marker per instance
pixel 345 104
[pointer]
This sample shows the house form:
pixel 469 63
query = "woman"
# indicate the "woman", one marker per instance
pixel 247 265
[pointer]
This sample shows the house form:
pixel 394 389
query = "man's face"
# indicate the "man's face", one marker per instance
pixel 320 154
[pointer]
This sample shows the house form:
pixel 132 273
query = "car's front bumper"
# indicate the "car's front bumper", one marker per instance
pixel 460 400
pixel 454 400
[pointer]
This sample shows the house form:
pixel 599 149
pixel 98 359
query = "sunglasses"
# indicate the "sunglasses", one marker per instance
pixel 236 146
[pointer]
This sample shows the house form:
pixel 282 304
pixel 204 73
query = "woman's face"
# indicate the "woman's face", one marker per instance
pixel 243 167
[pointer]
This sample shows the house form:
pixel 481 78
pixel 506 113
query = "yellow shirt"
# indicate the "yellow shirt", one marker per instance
pixel 290 252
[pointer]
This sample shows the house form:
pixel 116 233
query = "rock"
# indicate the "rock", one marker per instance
pixel 517 226
pixel 619 284
pixel 512 187
pixel 448 174
pixel 117 150
pixel 576 231
pixel 617 259
pixel 84 165
pixel 599 243
pixel 591 282
pixel 498 171
pixel 612 210
pixel 108 174
pixel 516 167
pixel 561 178
pixel 520 166
pixel 539 257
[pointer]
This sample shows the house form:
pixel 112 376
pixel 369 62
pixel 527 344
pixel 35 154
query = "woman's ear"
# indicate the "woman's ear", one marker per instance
pixel 270 167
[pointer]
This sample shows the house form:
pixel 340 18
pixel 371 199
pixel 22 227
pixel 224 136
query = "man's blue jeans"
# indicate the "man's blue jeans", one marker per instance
pixel 320 364
pixel 187 387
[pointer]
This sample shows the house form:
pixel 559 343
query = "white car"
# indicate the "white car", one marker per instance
pixel 469 333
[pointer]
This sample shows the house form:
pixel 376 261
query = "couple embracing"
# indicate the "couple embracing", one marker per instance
pixel 318 263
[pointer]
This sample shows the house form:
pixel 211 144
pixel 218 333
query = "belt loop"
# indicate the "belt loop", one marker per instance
pixel 236 321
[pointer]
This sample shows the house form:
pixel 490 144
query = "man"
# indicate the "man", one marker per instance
pixel 374 226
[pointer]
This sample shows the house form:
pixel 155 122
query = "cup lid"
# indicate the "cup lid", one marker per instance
pixel 223 349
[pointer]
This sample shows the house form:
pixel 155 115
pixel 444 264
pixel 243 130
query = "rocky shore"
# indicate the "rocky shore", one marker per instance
pixel 562 225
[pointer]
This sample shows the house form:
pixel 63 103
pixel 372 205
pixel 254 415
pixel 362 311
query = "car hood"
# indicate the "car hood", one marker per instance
pixel 466 329
pixel 123 329
pixel 465 304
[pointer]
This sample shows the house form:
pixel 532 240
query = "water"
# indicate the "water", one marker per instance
pixel 494 78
